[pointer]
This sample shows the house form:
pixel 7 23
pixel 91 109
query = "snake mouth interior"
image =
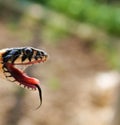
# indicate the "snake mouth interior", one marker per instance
pixel 14 74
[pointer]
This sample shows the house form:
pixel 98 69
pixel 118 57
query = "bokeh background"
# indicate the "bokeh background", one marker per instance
pixel 80 81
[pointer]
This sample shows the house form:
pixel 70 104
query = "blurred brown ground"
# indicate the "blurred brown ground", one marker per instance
pixel 67 82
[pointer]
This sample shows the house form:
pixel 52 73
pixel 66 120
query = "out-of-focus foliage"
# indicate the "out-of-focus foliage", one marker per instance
pixel 90 11
pixel 110 50
pixel 107 1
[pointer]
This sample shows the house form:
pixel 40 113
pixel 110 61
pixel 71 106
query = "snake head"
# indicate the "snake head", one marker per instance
pixel 12 57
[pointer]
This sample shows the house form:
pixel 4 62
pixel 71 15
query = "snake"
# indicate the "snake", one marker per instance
pixel 12 58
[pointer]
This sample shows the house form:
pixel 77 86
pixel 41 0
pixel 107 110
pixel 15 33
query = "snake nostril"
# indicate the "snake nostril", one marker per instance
pixel 42 53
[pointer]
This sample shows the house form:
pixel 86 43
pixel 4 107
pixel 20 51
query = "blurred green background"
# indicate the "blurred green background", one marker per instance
pixel 80 80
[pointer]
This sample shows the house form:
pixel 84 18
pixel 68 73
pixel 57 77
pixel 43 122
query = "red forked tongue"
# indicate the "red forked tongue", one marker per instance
pixel 23 79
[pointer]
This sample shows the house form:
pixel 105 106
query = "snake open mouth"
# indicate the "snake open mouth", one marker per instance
pixel 23 56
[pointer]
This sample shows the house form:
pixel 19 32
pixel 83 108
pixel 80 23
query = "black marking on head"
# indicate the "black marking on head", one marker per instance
pixel 14 58
pixel 6 53
pixel 37 55
pixel 6 58
pixel 24 57
pixel 11 55
pixel 15 54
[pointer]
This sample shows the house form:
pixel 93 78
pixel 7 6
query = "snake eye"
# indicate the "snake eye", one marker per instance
pixel 28 51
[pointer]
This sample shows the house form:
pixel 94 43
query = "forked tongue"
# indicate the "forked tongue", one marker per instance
pixel 40 94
